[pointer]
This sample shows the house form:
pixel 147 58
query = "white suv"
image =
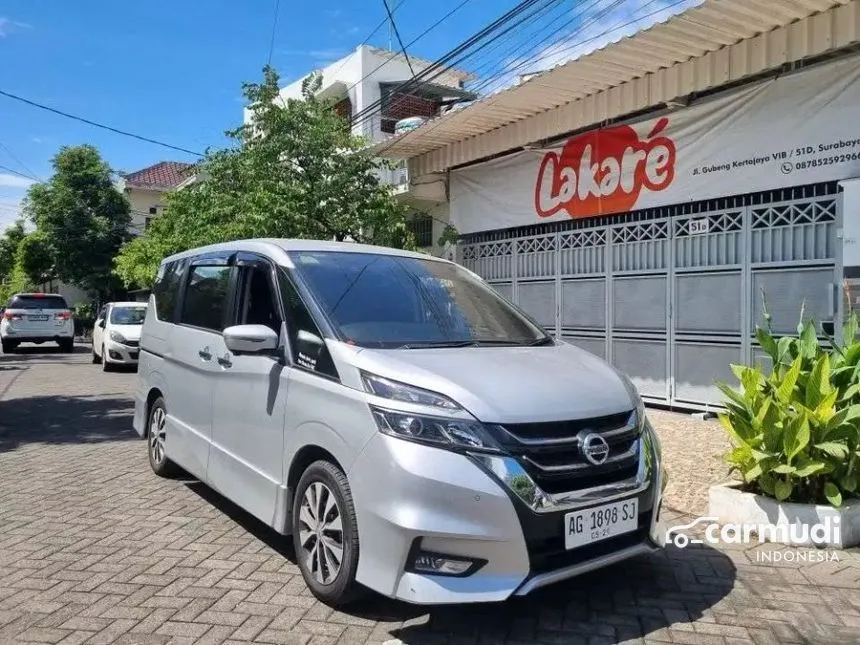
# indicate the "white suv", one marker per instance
pixel 37 318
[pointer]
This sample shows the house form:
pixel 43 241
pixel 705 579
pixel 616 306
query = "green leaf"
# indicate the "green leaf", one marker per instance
pixel 782 489
pixel 808 340
pixel 833 448
pixel 784 347
pixel 832 493
pixel 784 469
pixel 819 382
pixel 786 388
pixel 809 468
pixel 753 473
pixel 767 343
pixel 767 482
pixel 796 437
pixel 849 482
pixel 849 329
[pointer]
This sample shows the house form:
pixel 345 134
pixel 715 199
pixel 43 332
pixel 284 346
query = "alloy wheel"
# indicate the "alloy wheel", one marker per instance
pixel 157 435
pixel 321 533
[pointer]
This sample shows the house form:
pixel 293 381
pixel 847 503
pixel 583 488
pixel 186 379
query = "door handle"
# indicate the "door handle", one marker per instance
pixel 224 361
pixel 204 354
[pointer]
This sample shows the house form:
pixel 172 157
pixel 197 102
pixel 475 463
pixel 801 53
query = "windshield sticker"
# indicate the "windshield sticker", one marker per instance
pixel 306 361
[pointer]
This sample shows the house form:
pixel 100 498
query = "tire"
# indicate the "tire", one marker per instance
pixel 8 348
pixel 324 478
pixel 96 358
pixel 158 460
pixel 106 367
pixel 67 347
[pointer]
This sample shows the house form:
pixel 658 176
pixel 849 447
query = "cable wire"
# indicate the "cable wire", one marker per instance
pixel 102 126
pixel 18 161
pixel 397 33
pixel 274 31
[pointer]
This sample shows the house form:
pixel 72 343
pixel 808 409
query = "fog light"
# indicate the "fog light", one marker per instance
pixel 444 565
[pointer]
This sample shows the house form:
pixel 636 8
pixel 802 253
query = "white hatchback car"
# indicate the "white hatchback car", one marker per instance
pixel 116 335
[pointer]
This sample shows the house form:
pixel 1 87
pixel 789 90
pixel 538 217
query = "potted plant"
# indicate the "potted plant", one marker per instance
pixel 795 434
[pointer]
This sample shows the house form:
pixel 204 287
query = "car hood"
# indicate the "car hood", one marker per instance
pixel 130 332
pixel 509 384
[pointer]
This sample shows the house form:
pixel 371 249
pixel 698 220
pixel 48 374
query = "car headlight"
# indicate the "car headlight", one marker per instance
pixel 117 337
pixel 440 431
pixel 443 432
pixel 388 389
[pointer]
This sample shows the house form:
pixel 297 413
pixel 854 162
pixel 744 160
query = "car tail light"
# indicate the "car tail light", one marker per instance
pixel 8 315
pixel 63 315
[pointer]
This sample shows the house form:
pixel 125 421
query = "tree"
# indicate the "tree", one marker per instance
pixel 81 222
pixel 35 256
pixel 297 172
pixel 9 241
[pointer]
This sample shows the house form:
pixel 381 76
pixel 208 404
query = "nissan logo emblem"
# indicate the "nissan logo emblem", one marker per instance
pixel 594 448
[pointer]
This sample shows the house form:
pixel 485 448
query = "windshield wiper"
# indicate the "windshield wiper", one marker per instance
pixel 437 344
pixel 546 340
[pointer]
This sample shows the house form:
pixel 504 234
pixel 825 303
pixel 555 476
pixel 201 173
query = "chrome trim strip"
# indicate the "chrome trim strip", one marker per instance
pixel 558 575
pixel 572 468
pixel 512 475
pixel 629 427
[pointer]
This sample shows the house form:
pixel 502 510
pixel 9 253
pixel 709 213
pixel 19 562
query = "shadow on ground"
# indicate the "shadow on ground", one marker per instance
pixel 627 601
pixel 65 419
pixel 40 354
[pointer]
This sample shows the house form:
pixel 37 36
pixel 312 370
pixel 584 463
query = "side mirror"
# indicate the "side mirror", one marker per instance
pixel 250 339
pixel 101 324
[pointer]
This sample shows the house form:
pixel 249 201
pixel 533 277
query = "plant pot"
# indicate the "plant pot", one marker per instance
pixel 784 522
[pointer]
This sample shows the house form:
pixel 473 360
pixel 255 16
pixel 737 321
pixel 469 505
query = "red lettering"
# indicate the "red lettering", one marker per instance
pixel 604 171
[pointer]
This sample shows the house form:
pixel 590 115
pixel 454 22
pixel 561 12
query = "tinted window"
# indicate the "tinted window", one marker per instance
pixel 389 301
pixel 257 300
pixel 38 302
pixel 306 342
pixel 127 315
pixel 206 297
pixel 166 289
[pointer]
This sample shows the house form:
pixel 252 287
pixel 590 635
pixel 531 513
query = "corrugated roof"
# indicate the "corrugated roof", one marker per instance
pixel 708 27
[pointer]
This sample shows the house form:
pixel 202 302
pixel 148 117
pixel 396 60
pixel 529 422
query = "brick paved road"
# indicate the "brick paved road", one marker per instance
pixel 96 549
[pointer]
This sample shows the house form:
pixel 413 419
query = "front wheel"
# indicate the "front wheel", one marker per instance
pixel 156 436
pixel 325 534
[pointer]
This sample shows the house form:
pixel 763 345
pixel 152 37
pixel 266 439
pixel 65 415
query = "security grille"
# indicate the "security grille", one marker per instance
pixel 672 296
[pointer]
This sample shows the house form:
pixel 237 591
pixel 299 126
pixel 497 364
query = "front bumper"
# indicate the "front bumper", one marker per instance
pixel 410 497
pixel 121 354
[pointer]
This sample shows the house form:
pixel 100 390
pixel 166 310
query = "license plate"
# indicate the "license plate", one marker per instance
pixel 37 317
pixel 600 523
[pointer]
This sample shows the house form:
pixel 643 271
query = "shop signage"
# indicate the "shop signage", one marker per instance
pixel 797 129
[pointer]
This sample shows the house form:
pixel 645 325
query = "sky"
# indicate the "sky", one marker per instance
pixel 173 70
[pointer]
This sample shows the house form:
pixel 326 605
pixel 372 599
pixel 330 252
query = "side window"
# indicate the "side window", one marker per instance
pixel 257 303
pixel 206 297
pixel 306 342
pixel 166 289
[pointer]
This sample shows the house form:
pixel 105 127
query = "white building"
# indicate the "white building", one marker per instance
pixel 369 74
pixel 638 200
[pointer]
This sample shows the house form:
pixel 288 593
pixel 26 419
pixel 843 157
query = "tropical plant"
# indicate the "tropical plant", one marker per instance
pixel 795 429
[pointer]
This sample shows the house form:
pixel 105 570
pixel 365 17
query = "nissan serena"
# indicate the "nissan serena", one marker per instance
pixel 413 431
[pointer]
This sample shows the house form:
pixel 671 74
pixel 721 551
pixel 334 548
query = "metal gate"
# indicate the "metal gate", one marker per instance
pixel 672 296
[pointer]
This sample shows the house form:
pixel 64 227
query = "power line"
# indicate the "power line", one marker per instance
pixel 99 125
pixel 274 31
pixel 20 174
pixel 397 33
pixel 447 62
pixel 18 161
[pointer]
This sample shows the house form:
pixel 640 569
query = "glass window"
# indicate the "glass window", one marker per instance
pixel 206 297
pixel 38 301
pixel 127 315
pixel 257 300
pixel 389 301
pixel 166 289
pixel 306 342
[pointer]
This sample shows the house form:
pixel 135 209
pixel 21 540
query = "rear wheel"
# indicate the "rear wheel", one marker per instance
pixel 8 348
pixel 325 534
pixel 156 436
pixel 67 346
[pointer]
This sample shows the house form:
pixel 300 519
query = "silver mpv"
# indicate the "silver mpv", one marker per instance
pixel 413 431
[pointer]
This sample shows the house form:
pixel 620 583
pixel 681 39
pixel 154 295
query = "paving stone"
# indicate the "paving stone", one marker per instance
pixel 125 557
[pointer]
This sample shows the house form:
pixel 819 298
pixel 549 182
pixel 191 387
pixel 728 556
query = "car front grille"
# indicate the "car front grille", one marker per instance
pixel 132 343
pixel 551 452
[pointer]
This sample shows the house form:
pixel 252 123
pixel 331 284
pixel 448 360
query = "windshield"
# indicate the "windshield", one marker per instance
pixel 388 301
pixel 38 302
pixel 127 315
